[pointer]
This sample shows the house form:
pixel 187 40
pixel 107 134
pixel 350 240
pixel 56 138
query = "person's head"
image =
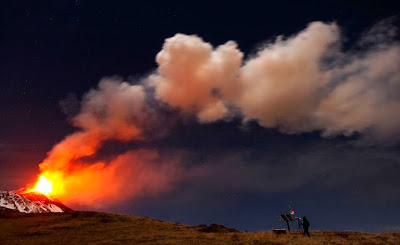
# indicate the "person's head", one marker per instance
pixel 304 217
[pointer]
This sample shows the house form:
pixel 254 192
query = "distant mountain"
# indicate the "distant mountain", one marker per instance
pixel 31 202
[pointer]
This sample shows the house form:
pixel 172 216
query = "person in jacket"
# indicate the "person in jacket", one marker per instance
pixel 306 225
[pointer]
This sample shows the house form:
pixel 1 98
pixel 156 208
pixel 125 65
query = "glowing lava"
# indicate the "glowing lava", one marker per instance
pixel 43 185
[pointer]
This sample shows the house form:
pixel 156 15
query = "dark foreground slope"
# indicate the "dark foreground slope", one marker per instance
pixel 102 228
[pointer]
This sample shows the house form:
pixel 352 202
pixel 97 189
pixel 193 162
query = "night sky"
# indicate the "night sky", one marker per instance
pixel 52 51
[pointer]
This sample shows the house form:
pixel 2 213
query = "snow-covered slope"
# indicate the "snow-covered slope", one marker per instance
pixel 30 203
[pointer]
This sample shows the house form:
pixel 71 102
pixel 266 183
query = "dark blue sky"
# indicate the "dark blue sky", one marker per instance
pixel 51 49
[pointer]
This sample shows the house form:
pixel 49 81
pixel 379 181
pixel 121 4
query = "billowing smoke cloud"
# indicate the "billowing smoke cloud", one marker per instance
pixel 297 84
pixel 197 78
pixel 281 84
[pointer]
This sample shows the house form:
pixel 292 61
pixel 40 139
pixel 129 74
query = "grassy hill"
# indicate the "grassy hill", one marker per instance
pixel 104 228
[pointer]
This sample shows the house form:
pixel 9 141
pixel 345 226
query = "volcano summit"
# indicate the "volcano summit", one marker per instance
pixel 30 202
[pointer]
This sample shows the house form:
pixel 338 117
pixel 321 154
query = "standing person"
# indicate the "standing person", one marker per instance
pixel 306 224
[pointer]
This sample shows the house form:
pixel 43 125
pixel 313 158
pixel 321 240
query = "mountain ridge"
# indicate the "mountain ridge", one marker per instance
pixel 30 202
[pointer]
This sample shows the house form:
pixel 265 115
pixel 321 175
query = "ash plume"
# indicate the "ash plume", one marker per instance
pixel 302 83
pixel 297 84
pixel 115 110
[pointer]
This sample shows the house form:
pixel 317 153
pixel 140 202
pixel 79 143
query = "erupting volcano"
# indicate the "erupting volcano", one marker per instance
pixel 43 186
pixel 38 199
pixel 30 202
pixel 290 84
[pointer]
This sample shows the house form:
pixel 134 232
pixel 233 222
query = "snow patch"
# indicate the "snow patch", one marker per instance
pixel 14 201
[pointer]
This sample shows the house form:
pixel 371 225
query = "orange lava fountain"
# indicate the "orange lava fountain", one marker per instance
pixel 43 185
pixel 46 184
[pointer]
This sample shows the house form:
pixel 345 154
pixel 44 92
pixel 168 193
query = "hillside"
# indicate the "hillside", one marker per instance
pixel 31 202
pixel 104 228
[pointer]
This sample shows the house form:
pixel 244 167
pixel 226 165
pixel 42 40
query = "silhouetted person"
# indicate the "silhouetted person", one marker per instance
pixel 306 224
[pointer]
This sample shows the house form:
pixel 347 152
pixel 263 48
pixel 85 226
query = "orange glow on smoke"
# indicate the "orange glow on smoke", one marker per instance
pixel 103 183
pixel 67 176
